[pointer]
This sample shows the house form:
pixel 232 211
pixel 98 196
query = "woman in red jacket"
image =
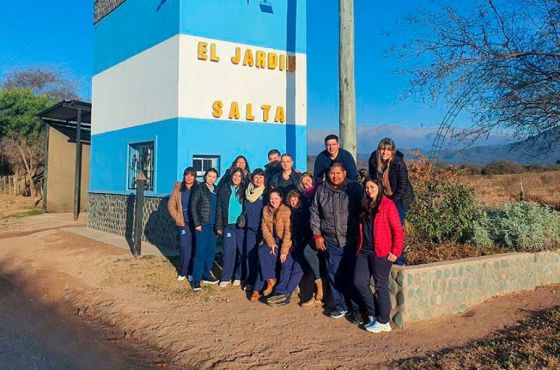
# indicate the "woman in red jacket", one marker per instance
pixel 381 243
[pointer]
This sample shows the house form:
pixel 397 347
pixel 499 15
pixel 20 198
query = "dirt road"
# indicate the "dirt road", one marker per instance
pixel 141 299
pixel 33 336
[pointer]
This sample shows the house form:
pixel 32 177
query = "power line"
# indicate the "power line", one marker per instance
pixel 39 34
pixel 5 31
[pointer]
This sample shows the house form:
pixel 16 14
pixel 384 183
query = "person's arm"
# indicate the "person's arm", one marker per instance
pixel 318 168
pixel 196 198
pixel 396 230
pixel 219 214
pixel 350 165
pixel 172 208
pixel 267 233
pixel 402 182
pixel 372 166
pixel 287 237
pixel 315 221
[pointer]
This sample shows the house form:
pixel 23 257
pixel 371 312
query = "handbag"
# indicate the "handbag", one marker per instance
pixel 241 221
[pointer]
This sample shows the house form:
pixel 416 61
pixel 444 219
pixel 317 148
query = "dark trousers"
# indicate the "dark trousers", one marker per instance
pixel 340 265
pixel 312 258
pixel 268 265
pixel 368 265
pixel 186 244
pixel 403 210
pixel 290 275
pixel 233 252
pixel 204 253
pixel 251 266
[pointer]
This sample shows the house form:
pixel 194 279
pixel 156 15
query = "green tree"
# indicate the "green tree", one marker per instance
pixel 20 128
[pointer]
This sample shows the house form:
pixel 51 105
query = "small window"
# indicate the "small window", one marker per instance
pixel 141 158
pixel 202 163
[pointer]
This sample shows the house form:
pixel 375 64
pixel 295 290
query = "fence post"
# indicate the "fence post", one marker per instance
pixel 138 213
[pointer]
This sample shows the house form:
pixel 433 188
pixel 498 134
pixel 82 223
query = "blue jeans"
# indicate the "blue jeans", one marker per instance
pixel 204 253
pixel 403 210
pixel 312 258
pixel 290 275
pixel 340 265
pixel 233 252
pixel 186 244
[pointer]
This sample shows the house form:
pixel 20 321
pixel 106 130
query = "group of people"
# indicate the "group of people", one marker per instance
pixel 277 223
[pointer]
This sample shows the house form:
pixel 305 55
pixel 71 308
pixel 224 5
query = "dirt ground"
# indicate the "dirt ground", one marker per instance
pixel 219 328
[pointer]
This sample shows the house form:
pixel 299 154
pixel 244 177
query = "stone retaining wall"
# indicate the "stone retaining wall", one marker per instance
pixel 115 213
pixel 428 291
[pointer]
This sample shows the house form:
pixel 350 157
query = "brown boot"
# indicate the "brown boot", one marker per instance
pixel 270 283
pixel 319 292
pixel 255 296
pixel 310 303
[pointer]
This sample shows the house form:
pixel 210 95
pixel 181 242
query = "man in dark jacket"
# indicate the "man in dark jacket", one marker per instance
pixel 287 179
pixel 334 222
pixel 273 166
pixel 333 153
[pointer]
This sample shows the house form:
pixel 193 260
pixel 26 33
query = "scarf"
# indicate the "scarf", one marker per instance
pixel 253 193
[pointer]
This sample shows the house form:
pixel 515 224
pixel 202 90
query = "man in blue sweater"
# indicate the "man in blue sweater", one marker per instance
pixel 333 153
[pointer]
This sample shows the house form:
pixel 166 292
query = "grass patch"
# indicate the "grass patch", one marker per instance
pixel 23 213
pixel 530 344
pixel 421 253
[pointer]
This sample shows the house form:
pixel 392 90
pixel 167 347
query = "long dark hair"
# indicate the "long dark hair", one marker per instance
pixel 240 192
pixel 187 170
pixel 246 172
pixel 370 206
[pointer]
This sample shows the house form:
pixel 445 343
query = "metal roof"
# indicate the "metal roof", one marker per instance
pixel 63 117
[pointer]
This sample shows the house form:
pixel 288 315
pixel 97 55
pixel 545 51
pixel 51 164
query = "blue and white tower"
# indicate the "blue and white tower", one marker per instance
pixel 182 83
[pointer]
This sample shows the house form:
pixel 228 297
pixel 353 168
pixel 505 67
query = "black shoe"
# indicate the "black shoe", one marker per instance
pixel 357 318
pixel 196 286
pixel 210 281
pixel 338 314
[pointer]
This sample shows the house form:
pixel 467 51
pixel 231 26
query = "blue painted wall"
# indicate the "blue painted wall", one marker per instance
pixel 140 24
pixel 137 25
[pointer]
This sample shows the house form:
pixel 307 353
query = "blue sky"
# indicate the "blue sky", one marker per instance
pixel 37 32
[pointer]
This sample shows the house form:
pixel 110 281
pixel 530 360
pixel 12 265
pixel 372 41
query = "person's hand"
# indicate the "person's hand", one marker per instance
pixel 219 232
pixel 320 244
pixel 283 257
pixel 273 250
pixel 198 228
pixel 391 257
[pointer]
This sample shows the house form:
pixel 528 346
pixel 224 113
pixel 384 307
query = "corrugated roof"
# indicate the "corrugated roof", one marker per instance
pixel 102 8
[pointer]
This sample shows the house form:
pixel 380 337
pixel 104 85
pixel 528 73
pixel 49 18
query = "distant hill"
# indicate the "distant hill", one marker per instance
pixel 540 149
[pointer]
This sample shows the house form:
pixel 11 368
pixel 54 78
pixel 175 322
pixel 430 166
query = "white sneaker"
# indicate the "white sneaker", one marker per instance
pixel 371 321
pixel 223 284
pixel 236 283
pixel 189 278
pixel 181 278
pixel 378 327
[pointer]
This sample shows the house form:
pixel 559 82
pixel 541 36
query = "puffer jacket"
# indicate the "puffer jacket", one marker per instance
pixel 388 235
pixel 175 205
pixel 199 205
pixel 277 222
pixel 398 178
pixel 334 212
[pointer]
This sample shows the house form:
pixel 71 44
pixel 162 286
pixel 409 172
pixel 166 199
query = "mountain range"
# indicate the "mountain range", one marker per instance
pixel 540 149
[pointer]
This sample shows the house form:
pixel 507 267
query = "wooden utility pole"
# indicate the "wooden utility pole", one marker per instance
pixel 347 91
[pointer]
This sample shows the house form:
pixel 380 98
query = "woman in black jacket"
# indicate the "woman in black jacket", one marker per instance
pixel 386 164
pixel 203 206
